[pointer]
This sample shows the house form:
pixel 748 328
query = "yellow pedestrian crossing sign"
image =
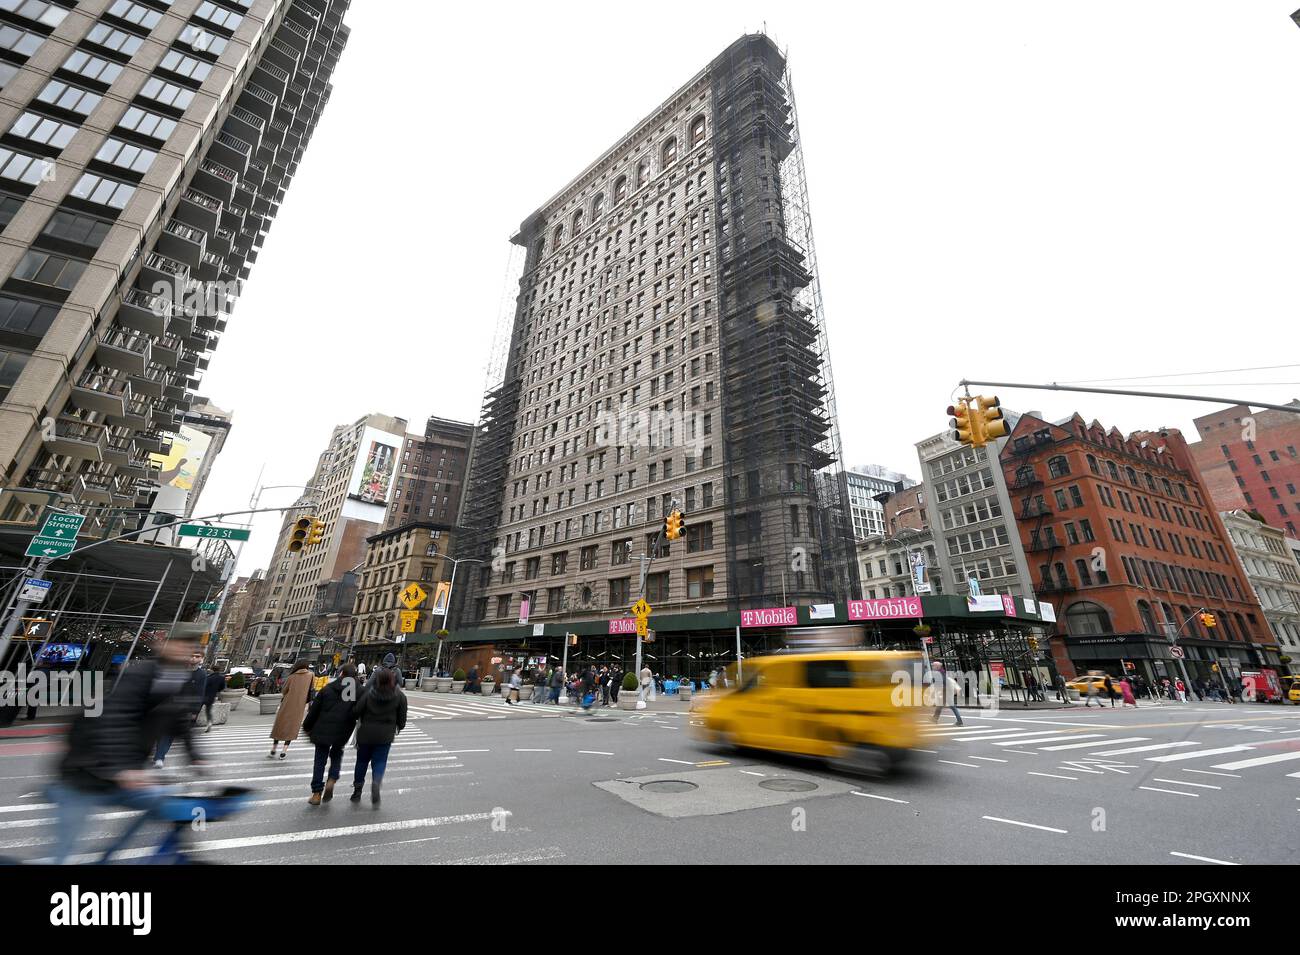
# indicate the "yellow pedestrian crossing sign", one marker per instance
pixel 413 596
pixel 641 609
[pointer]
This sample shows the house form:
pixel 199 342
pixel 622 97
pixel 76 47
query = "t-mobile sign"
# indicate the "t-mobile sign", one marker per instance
pixel 623 625
pixel 885 609
pixel 769 617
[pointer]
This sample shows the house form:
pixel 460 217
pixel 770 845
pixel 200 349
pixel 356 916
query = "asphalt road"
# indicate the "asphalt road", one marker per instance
pixel 1189 784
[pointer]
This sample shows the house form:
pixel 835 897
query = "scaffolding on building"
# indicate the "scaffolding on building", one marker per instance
pixel 789 531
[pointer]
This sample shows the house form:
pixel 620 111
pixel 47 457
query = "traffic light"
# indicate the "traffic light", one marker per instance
pixel 673 525
pixel 301 531
pixel 961 422
pixel 1033 644
pixel 316 533
pixel 1209 620
pixel 988 421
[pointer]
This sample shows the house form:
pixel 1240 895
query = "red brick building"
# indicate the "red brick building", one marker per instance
pixel 1122 538
pixel 1250 462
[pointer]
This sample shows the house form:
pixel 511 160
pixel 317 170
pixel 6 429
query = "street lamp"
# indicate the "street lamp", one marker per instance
pixel 451 584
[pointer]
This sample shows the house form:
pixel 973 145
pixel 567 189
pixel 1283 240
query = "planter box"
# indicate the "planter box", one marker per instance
pixel 221 712
pixel 428 684
pixel 1074 694
pixel 444 684
pixel 525 693
pixel 627 700
pixel 487 687
pixel 457 686
pixel 231 698
pixel 684 691
pixel 269 703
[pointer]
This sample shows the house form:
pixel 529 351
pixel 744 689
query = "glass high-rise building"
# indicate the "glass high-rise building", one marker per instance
pixel 666 350
pixel 146 147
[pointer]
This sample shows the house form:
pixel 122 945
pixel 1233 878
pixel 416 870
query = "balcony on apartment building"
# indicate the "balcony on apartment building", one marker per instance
pixel 139 467
pixel 231 151
pixel 259 101
pixel 232 217
pixel 124 350
pixel 154 441
pixel 103 390
pixel 145 312
pixel 209 267
pixel 1025 479
pixel 151 381
pixel 138 413
pixel 271 78
pixel 82 440
pixel 120 446
pixel 246 125
pixel 93 487
pixel 294 34
pixel 216 180
pixel 182 242
pixel 199 209
pixel 162 270
pixel 221 241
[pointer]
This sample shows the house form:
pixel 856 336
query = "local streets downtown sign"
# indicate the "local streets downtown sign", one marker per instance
pixel 57 536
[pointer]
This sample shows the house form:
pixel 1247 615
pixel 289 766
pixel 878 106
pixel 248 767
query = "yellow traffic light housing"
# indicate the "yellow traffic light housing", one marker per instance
pixel 1208 619
pixel 673 525
pixel 1033 643
pixel 989 423
pixel 301 531
pixel 316 533
pixel 961 422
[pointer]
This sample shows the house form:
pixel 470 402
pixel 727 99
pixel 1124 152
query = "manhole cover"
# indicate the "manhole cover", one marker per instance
pixel 788 785
pixel 602 719
pixel 668 786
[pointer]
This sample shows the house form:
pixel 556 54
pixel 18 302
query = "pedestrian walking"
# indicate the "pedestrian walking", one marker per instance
pixel 1127 692
pixel 471 681
pixel 605 676
pixel 1062 691
pixel 944 690
pixel 361 671
pixel 381 715
pixel 212 688
pixel 615 684
pixel 1110 690
pixel 647 691
pixel 288 719
pixel 191 695
pixel 1182 691
pixel 557 684
pixel 329 724
pixel 1093 686
pixel 541 687
pixel 587 688
pixel 516 682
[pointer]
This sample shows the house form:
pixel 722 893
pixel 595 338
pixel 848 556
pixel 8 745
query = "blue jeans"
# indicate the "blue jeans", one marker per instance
pixel 74 808
pixel 555 694
pixel 373 755
pixel 940 709
pixel 334 754
pixel 164 744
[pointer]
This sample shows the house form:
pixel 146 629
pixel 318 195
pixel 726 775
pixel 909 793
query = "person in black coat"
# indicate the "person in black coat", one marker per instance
pixel 191 696
pixel 381 715
pixel 329 724
pixel 471 681
pixel 216 682
pixel 104 764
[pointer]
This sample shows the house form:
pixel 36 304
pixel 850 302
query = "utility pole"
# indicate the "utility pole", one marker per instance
pixel 20 608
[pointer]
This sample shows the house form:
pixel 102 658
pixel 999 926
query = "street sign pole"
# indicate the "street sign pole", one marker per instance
pixel 20 608
pixel 564 672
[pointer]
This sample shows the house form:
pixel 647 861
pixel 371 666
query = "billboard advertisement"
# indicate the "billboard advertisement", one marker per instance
pixel 178 471
pixel 371 482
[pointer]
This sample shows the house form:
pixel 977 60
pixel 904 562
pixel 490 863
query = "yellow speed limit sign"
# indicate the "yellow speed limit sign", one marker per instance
pixel 409 619
pixel 642 626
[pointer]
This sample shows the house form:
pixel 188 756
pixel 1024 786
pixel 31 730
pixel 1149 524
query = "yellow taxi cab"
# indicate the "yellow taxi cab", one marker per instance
pixel 1083 683
pixel 859 710
pixel 1291 688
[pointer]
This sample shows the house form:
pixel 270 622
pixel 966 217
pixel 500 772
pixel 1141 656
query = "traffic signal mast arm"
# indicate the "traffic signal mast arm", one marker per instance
pixel 187 520
pixel 1248 402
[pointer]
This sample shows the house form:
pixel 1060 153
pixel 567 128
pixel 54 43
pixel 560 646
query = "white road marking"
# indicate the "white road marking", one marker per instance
pixel 951 762
pixel 932 752
pixel 885 798
pixel 469 751
pixel 989 759
pixel 1199 753
pixel 1080 769
pixel 1052 776
pixel 1185 855
pixel 1022 752
pixel 749 772
pixel 1206 772
pixel 1172 792
pixel 1183 782
pixel 1036 738
pixel 684 762
pixel 1258 761
pixel 1145 749
pixel 593 752
pixel 532 750
pixel 1027 825
pixel 1131 739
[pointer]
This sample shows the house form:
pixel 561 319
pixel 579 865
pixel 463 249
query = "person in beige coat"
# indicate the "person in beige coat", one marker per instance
pixel 293 706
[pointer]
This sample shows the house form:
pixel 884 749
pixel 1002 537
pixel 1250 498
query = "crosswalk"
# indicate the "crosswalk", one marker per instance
pixel 422 773
pixel 449 707
pixel 1099 747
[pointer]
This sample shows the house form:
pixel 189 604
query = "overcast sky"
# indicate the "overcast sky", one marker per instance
pixel 1035 191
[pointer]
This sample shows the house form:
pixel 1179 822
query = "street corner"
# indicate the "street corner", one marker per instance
pixel 715 791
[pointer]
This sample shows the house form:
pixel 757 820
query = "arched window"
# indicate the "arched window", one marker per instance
pixel 577 222
pixel 669 153
pixel 1058 466
pixel 541 247
pixel 1132 476
pixel 620 189
pixel 557 238
pixel 597 206
pixel 642 173
pixel 697 131
pixel 1148 620
pixel 1085 617
pixel 1092 464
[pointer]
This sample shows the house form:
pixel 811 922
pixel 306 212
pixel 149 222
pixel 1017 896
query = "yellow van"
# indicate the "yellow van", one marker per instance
pixel 860 710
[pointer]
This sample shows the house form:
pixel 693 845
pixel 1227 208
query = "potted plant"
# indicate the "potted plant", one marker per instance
pixel 627 699
pixel 685 686
pixel 488 686
pixel 458 680
pixel 234 690
pixel 429 684
pixel 526 691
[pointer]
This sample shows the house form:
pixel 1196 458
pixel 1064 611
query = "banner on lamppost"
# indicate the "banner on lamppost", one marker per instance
pixel 440 597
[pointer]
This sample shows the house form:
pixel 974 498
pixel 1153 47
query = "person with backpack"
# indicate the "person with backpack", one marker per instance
pixel 381 715
pixel 329 724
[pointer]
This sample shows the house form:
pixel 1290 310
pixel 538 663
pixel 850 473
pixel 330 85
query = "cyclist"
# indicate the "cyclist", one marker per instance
pixel 105 763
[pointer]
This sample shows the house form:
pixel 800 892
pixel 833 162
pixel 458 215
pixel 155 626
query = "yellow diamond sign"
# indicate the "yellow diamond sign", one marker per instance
pixel 641 608
pixel 413 596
